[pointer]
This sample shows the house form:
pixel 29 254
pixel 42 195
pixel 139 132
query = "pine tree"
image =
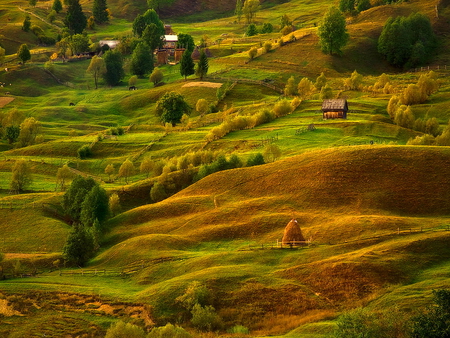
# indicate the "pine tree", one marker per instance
pixel 202 66
pixel 187 65
pixel 75 19
pixel 57 6
pixel 99 11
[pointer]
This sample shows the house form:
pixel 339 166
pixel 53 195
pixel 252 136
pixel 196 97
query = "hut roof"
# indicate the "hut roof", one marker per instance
pixel 334 104
pixel 292 233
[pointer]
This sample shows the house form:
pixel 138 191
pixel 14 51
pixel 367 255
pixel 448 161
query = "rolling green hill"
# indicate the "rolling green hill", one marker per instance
pixel 375 209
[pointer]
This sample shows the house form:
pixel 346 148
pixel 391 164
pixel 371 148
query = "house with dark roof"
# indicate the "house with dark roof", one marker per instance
pixel 334 109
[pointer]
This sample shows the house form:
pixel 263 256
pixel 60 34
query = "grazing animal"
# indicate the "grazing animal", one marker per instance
pixel 132 88
pixel 71 104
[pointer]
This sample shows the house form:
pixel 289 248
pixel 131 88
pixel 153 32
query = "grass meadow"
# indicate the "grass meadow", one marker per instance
pixel 375 210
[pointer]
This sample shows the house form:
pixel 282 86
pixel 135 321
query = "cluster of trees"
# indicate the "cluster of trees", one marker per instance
pixel 121 329
pixel 15 128
pixel 305 88
pixel 86 205
pixel 432 323
pixel 247 8
pixel 407 41
pixel 354 6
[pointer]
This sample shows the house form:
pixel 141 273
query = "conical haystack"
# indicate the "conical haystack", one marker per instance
pixel 293 234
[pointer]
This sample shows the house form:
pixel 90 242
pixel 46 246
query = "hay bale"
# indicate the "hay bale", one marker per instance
pixel 292 234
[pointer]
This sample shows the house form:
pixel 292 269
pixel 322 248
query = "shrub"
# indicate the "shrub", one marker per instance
pixel 404 117
pixel 267 28
pixel 394 103
pixel 305 88
pixel 251 30
pixel 423 140
pixel 412 95
pixel 205 318
pixel 252 53
pixel 239 329
pixel 326 92
pixel 255 159
pixel 282 108
pixel 124 330
pixel 168 330
pixel 290 88
pixel 84 152
pixel 267 46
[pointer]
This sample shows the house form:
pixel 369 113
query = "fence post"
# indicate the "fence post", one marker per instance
pixel 398 231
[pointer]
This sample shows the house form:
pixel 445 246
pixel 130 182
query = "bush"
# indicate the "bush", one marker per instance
pixel 282 108
pixel 205 318
pixel 255 159
pixel 167 331
pixel 124 330
pixel 267 46
pixel 252 53
pixel 239 329
pixel 424 140
pixel 84 152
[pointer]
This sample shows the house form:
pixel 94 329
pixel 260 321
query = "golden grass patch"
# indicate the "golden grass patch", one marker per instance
pixel 203 84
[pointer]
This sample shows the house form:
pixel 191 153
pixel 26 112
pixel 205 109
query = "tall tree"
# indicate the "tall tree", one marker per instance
pixel 202 66
pixel 100 11
pixel 152 37
pixel 171 107
pixel 29 129
pixel 75 19
pixel 157 76
pixel 114 67
pixel 187 66
pixel 24 53
pixel 126 170
pixel 21 176
pixel 96 68
pixel 75 195
pixel 57 6
pixel 94 207
pixel 141 60
pixel 62 175
pixel 250 8
pixel 26 23
pixel 333 32
pixel 142 21
pixel 239 10
pixel 79 247
pixel 186 41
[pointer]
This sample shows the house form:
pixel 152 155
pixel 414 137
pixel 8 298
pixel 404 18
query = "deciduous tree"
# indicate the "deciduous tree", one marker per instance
pixel 62 175
pixel 305 88
pixel 171 107
pixel 290 88
pixel 126 170
pixel 114 67
pixel 124 330
pixel 141 60
pixel 157 76
pixel 94 207
pixel 186 41
pixel 26 25
pixel 250 9
pixel 21 176
pixel 114 204
pixel 146 166
pixel 96 68
pixel 333 32
pixel 79 247
pixel 29 129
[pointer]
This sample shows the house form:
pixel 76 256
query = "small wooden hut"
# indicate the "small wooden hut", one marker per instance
pixel 334 109
pixel 293 234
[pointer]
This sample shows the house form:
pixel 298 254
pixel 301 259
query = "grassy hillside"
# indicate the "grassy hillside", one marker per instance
pixel 376 211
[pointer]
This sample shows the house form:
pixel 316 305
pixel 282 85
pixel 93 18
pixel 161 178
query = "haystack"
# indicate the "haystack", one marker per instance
pixel 293 234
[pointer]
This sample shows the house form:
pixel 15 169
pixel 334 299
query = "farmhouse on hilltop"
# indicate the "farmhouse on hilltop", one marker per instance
pixel 334 109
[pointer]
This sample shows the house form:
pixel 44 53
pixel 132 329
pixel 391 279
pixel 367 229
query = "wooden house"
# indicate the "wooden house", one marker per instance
pixel 334 109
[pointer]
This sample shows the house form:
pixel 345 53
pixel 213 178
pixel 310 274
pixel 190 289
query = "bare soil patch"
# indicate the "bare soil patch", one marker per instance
pixel 5 100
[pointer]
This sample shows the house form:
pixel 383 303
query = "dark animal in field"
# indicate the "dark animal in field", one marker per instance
pixel 132 88
pixel 71 104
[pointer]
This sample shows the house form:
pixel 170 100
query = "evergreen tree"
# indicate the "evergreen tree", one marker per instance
pixel 99 11
pixel 187 65
pixel 57 6
pixel 141 60
pixel 114 67
pixel 24 53
pixel 75 19
pixel 251 30
pixel 256 159
pixel 202 66
pixel 26 24
pixel 332 32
